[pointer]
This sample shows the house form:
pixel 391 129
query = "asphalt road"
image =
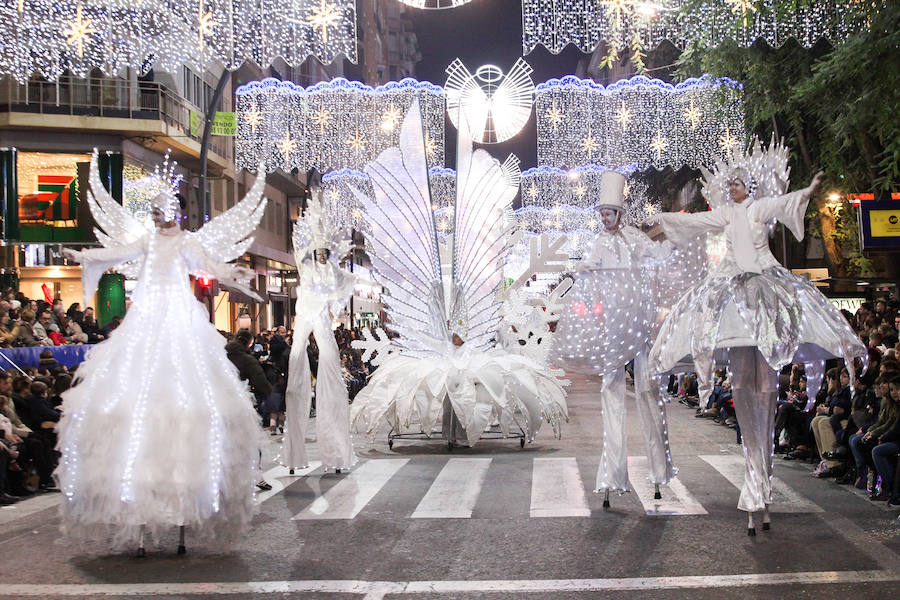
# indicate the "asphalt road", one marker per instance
pixel 497 521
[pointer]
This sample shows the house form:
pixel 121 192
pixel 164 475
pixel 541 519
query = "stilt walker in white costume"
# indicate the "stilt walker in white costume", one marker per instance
pixel 324 289
pixel 607 325
pixel 159 430
pixel 750 310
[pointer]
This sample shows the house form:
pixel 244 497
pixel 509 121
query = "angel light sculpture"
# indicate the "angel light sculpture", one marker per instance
pixel 749 309
pixel 160 431
pixel 323 291
pixel 445 360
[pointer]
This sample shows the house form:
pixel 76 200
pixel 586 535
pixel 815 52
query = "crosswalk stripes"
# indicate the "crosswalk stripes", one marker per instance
pixel 279 478
pixel 557 489
pixel 353 492
pixel 786 500
pixel 676 499
pixel 455 490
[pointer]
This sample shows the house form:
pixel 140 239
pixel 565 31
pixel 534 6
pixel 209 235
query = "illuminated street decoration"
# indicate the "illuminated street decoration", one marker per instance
pixel 641 24
pixel 73 37
pixel 334 125
pixel 639 121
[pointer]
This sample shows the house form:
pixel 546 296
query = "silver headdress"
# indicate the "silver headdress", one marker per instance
pixel 764 172
pixel 317 230
pixel 169 181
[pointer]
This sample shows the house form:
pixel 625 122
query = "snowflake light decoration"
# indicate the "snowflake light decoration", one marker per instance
pixel 638 121
pixel 642 24
pixel 53 38
pixel 336 125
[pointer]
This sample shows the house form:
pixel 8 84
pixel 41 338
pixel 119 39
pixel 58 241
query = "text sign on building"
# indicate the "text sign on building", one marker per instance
pixel 879 224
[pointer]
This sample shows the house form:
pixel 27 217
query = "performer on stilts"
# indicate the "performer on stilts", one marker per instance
pixel 607 325
pixel 324 289
pixel 750 310
pixel 159 430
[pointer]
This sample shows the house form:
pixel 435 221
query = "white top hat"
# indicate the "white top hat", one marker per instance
pixel 612 191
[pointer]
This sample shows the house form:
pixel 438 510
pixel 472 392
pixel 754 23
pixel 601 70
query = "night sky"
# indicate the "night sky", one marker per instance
pixel 485 32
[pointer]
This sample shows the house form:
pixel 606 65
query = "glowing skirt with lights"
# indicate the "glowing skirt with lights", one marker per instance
pixel 159 431
pixel 607 322
pixel 409 393
pixel 784 316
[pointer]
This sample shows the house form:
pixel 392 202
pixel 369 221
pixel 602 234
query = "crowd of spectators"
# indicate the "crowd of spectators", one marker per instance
pixel 271 349
pixel 850 429
pixel 27 322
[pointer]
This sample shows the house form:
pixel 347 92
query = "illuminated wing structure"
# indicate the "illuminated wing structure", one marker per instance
pixel 445 361
pixel 115 225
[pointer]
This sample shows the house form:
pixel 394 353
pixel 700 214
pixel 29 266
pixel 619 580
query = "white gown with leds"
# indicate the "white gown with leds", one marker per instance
pixel 607 325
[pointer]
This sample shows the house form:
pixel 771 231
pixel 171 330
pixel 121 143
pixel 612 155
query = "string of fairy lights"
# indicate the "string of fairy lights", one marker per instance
pixel 642 25
pixel 59 37
pixel 642 122
pixel 332 125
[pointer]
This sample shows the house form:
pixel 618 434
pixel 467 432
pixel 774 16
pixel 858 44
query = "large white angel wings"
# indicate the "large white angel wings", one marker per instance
pixel 401 229
pixel 224 238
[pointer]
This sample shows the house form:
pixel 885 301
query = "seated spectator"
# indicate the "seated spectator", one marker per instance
pixel 884 453
pixel 830 417
pixel 90 327
pixel 41 329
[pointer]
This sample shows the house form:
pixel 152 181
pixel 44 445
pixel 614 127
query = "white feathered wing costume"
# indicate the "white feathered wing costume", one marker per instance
pixel 423 368
pixel 159 430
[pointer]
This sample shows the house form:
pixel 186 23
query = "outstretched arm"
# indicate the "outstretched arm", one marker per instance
pixel 683 229
pixel 94 261
pixel 789 209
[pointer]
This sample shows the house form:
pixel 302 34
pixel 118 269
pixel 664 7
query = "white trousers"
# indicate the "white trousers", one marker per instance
pixel 613 471
pixel 755 392
pixel 332 402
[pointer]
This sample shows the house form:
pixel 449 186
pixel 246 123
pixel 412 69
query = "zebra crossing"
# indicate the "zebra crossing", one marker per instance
pixel 560 487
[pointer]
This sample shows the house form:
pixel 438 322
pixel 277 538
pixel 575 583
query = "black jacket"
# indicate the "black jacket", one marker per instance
pixel 249 369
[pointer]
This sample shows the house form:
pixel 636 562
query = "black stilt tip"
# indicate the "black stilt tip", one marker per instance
pixel 141 553
pixel 337 470
pixel 767 526
pixel 657 496
pixel 291 471
pixel 751 531
pixel 606 504
pixel 182 549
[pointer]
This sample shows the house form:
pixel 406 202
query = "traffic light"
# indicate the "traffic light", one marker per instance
pixel 207 287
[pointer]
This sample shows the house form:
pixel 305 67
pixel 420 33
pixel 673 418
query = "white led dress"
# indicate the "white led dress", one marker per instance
pixel 159 430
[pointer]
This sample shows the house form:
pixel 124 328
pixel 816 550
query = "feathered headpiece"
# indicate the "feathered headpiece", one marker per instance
pixel 317 230
pixel 168 182
pixel 764 172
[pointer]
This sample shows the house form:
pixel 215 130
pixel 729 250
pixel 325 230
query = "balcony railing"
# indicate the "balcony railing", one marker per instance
pixel 98 97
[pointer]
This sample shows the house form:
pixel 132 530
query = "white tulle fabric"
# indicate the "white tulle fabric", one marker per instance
pixel 159 430
pixel 609 323
pixel 410 393
pixel 323 288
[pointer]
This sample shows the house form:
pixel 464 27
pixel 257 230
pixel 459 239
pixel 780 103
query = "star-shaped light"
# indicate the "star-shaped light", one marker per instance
pixel 616 7
pixel 323 16
pixel 533 192
pixel 623 116
pixel 728 141
pixel 580 191
pixel 322 118
pixel 430 145
pixel 590 145
pixel 554 116
pixel 334 195
pixel 287 145
pixel 626 191
pixel 659 144
pixel 742 6
pixel 206 24
pixel 693 115
pixel 391 118
pixel 356 142
pixel 78 31
pixel 253 118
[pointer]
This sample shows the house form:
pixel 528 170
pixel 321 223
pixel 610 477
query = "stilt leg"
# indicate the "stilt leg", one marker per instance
pixel 141 552
pixel 337 470
pixel 606 499
pixel 656 494
pixel 751 528
pixel 291 472
pixel 767 521
pixel 181 548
